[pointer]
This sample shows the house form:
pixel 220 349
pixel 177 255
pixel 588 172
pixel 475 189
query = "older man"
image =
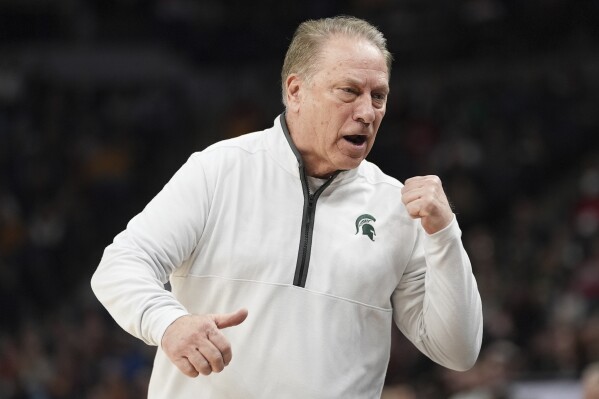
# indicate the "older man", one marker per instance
pixel 292 225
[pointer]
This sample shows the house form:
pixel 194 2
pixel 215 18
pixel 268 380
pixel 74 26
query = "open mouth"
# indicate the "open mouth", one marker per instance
pixel 356 139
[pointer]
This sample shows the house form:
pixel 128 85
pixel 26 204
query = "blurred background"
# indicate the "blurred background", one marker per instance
pixel 101 101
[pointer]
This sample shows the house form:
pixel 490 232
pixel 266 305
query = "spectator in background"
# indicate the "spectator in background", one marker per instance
pixel 590 381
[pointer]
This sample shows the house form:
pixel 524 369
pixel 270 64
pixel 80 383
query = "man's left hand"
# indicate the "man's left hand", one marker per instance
pixel 425 199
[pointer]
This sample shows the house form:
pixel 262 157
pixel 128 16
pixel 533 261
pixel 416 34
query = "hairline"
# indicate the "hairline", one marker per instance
pixel 311 70
pixel 320 39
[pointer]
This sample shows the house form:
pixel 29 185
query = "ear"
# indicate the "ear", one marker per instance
pixel 293 85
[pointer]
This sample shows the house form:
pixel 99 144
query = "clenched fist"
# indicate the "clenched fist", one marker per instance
pixel 195 344
pixel 425 199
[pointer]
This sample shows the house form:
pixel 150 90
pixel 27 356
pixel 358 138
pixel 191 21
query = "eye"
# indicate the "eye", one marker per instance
pixel 347 94
pixel 379 99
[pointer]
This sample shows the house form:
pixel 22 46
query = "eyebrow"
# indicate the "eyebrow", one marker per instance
pixel 356 82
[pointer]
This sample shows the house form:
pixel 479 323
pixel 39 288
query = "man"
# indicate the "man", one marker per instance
pixel 292 225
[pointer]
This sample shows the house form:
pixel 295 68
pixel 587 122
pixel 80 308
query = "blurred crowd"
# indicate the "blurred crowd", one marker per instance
pixel 102 101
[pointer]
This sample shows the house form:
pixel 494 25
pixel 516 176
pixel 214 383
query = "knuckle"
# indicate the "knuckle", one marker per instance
pixel 217 368
pixel 223 344
pixel 187 369
pixel 413 210
pixel 211 331
pixel 202 366
pixel 194 338
pixel 227 356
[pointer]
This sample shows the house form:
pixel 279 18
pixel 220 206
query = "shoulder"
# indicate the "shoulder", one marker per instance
pixel 232 149
pixel 249 142
pixel 375 176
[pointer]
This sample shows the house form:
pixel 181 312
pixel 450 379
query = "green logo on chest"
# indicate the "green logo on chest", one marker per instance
pixel 363 221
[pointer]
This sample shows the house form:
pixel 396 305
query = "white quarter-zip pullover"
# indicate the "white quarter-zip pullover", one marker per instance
pixel 322 274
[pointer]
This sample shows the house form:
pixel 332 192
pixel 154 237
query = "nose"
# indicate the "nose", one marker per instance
pixel 364 111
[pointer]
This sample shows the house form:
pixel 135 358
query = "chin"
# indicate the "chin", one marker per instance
pixel 350 164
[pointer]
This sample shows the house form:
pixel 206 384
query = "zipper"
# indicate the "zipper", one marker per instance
pixel 307 226
pixel 305 247
pixel 303 255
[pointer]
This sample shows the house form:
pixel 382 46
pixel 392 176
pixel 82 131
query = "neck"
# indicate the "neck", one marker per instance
pixel 303 149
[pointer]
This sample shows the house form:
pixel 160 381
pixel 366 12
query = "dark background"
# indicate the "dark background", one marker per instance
pixel 101 101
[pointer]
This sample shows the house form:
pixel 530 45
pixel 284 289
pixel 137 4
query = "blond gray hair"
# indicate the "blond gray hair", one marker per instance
pixel 310 36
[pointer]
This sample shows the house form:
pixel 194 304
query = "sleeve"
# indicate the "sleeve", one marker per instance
pixel 130 278
pixel 437 305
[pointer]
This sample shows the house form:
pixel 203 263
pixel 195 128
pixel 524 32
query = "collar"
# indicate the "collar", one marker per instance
pixel 283 150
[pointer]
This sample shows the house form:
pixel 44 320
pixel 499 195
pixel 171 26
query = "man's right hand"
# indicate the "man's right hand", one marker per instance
pixel 195 344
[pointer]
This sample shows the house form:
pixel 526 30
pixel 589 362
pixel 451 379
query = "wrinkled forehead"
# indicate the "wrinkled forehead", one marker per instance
pixel 357 52
pixel 351 56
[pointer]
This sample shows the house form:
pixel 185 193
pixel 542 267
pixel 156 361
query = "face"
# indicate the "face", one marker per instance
pixel 335 115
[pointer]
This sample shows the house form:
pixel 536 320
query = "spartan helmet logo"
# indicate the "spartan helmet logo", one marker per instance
pixel 364 221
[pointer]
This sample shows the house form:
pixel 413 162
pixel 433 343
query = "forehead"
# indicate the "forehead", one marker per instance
pixel 345 55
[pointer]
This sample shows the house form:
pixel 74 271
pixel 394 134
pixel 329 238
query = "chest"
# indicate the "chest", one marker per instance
pixel 354 244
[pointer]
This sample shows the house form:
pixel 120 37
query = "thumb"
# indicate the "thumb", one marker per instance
pixel 230 319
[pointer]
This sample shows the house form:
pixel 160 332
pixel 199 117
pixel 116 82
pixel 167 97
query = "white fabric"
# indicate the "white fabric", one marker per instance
pixel 226 230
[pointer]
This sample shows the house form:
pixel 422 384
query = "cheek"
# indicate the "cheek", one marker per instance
pixel 378 120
